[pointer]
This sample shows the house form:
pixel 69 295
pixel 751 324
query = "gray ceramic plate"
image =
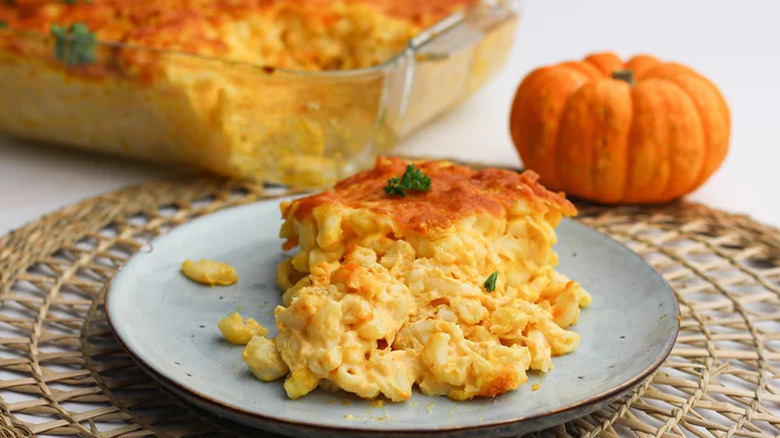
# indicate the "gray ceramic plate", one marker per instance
pixel 169 325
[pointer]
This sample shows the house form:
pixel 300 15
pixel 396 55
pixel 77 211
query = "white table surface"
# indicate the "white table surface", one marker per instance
pixel 734 44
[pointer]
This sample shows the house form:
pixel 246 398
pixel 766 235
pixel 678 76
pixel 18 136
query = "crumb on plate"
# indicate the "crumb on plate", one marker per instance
pixel 209 272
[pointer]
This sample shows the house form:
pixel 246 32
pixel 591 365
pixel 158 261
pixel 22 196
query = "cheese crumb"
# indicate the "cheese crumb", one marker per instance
pixel 209 272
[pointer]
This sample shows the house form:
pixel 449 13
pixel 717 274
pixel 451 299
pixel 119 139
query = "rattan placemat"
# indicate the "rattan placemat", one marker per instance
pixel 63 373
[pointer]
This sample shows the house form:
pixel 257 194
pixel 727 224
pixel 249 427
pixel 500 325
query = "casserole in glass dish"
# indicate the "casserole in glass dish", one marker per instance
pixel 301 92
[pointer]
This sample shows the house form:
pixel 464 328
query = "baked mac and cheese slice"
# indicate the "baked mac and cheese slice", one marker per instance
pixel 388 292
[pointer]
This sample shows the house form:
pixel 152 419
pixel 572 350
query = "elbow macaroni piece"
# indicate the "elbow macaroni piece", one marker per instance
pixel 262 357
pixel 239 331
pixel 209 272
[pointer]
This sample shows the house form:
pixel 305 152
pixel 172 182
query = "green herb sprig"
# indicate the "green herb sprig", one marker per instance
pixel 412 179
pixel 74 45
pixel 3 24
pixel 490 283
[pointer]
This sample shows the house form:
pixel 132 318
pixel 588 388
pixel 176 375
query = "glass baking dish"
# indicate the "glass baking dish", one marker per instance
pixel 293 127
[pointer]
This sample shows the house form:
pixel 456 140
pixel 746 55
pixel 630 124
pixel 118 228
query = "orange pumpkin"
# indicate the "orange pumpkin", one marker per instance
pixel 605 130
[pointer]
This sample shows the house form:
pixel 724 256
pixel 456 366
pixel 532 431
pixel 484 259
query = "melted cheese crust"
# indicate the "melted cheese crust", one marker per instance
pixel 293 34
pixel 455 192
pixel 376 302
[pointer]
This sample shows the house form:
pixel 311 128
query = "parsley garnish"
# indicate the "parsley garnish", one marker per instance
pixel 412 179
pixel 3 24
pixel 490 283
pixel 74 45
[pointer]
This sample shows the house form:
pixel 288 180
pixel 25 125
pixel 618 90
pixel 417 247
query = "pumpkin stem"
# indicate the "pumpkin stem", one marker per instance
pixel 624 75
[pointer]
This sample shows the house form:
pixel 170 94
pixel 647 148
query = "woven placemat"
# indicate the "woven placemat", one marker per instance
pixel 63 373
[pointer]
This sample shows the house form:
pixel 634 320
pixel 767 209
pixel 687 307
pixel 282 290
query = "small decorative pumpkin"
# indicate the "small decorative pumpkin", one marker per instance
pixel 600 129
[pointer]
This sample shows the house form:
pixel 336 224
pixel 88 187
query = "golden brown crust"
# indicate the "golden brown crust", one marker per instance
pixel 506 381
pixel 456 191
pixel 420 12
pixel 191 26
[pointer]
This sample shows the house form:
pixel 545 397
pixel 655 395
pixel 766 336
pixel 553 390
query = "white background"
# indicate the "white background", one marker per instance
pixel 735 44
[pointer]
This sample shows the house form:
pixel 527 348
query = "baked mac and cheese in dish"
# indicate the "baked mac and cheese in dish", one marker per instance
pixel 281 90
pixel 436 276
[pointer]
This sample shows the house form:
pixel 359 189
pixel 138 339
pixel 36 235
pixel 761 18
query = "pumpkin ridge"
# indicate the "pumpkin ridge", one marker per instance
pixel 606 62
pixel 670 150
pixel 598 143
pixel 622 143
pixel 582 68
pixel 598 67
pixel 721 101
pixel 556 177
pixel 592 141
pixel 716 148
pixel 672 153
pixel 650 148
pixel 541 153
pixel 629 149
pixel 640 64
pixel 559 163
pixel 705 135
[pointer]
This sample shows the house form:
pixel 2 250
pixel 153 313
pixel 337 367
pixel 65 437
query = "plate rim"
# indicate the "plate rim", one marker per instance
pixel 177 387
